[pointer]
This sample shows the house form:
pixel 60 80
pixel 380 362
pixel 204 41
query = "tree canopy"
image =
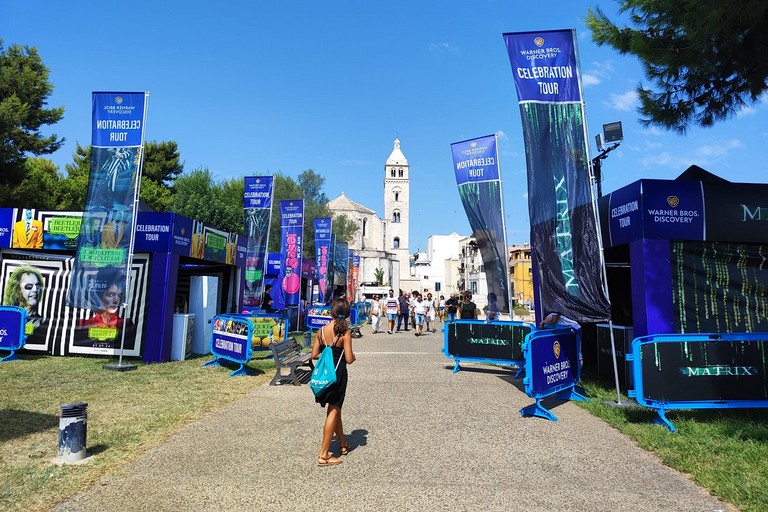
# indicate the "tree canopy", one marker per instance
pixel 24 91
pixel 704 59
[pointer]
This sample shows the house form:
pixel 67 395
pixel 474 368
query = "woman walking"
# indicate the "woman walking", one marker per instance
pixel 337 335
pixel 376 314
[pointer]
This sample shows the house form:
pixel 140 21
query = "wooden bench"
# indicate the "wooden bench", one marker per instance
pixel 288 355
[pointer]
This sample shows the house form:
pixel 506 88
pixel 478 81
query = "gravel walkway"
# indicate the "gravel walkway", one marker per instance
pixel 423 439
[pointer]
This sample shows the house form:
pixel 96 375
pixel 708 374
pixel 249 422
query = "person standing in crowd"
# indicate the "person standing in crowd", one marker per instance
pixel 429 316
pixel 266 299
pixel 376 314
pixel 468 308
pixel 441 308
pixel 337 335
pixel 451 307
pixel 492 313
pixel 393 307
pixel 405 311
pixel 419 310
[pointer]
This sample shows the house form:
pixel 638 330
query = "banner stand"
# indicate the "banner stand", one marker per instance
pixel 120 367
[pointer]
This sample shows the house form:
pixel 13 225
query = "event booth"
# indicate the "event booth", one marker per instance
pixel 683 256
pixel 183 274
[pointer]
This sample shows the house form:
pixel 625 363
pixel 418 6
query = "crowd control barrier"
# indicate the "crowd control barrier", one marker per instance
pixel 318 315
pixel 699 371
pixel 13 320
pixel 551 367
pixel 235 337
pixel 477 341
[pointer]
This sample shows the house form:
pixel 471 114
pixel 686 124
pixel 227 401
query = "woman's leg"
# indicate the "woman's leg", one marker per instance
pixel 332 417
pixel 339 431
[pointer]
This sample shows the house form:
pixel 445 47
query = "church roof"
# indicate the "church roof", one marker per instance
pixel 345 204
pixel 397 157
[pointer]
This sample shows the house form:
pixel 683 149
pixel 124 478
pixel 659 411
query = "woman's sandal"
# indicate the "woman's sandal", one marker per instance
pixel 328 461
pixel 345 449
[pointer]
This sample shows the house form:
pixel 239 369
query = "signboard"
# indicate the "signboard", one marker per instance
pixel 552 362
pixel 12 321
pixel 318 315
pixel 474 340
pixel 673 210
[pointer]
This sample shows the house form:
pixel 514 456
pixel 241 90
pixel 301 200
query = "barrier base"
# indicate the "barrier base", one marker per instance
pixel 239 371
pixel 538 410
pixel 120 367
pixel 573 394
pixel 10 357
pixel 663 420
pixel 215 362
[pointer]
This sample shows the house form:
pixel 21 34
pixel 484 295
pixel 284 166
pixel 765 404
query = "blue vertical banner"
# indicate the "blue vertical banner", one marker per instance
pixel 564 234
pixel 257 201
pixel 340 268
pixel 291 242
pixel 100 272
pixel 323 226
pixel 476 164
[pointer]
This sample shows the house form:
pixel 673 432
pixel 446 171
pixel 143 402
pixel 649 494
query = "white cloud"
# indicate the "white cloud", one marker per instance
pixel 442 48
pixel 704 154
pixel 623 102
pixel 746 112
pixel 588 80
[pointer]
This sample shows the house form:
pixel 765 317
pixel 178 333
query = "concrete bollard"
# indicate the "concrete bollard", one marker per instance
pixel 73 429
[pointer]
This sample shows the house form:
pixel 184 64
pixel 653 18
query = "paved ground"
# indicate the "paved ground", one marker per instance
pixel 423 439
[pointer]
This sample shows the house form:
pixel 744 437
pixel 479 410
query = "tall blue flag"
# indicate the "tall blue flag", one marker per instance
pixel 291 243
pixel 564 232
pixel 100 271
pixel 258 213
pixel 476 164
pixel 322 256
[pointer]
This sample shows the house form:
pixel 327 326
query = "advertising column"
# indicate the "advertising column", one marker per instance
pixel 322 256
pixel 291 243
pixel 258 213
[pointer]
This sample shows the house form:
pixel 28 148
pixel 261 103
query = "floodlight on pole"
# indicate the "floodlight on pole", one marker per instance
pixel 611 138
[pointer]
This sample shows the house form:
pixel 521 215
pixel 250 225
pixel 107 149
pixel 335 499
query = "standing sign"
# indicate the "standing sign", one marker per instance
pixel 564 236
pixel 322 255
pixel 105 245
pixel 258 212
pixel 476 164
pixel 478 341
pixel 12 322
pixel 292 229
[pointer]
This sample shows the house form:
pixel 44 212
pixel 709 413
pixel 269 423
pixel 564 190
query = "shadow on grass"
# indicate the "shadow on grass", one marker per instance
pixel 15 423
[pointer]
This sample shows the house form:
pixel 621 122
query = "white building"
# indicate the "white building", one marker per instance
pixel 436 269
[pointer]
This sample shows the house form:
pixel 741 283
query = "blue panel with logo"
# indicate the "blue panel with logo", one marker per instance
pixel 551 366
pixel 12 332
pixel 673 210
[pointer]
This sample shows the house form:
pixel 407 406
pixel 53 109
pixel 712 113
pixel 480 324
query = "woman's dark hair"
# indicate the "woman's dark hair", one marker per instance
pixel 340 312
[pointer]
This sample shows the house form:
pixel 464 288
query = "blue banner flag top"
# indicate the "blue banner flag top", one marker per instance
pixel 323 226
pixel 100 271
pixel 476 164
pixel 291 243
pixel 257 202
pixel 565 242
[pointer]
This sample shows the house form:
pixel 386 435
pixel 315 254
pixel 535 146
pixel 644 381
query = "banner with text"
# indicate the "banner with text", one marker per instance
pixel 99 277
pixel 258 213
pixel 564 234
pixel 476 164
pixel 291 235
pixel 322 255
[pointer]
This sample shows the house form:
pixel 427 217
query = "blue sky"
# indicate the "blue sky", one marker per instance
pixel 260 87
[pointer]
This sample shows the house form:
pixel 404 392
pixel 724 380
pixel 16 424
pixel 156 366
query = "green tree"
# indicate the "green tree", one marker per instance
pixel 74 187
pixel 706 60
pixel 24 91
pixel 40 188
pixel 378 275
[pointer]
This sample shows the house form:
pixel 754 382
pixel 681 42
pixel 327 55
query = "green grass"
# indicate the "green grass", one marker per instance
pixel 724 451
pixel 128 413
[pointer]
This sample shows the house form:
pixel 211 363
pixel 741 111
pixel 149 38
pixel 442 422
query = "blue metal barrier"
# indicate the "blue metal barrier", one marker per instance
pixel 477 341
pixel 13 320
pixel 234 337
pixel 699 371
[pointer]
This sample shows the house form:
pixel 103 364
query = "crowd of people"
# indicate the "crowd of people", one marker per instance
pixel 420 313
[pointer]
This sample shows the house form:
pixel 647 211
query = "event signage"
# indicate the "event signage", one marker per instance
pixel 700 371
pixel 153 232
pixel 291 243
pixel 485 342
pixel 737 212
pixel 231 338
pixel 318 315
pixel 476 164
pixel 625 215
pixel 105 241
pixel 341 265
pixel 564 232
pixel 553 362
pixel 258 213
pixel 12 322
pixel 323 226
pixel 673 210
